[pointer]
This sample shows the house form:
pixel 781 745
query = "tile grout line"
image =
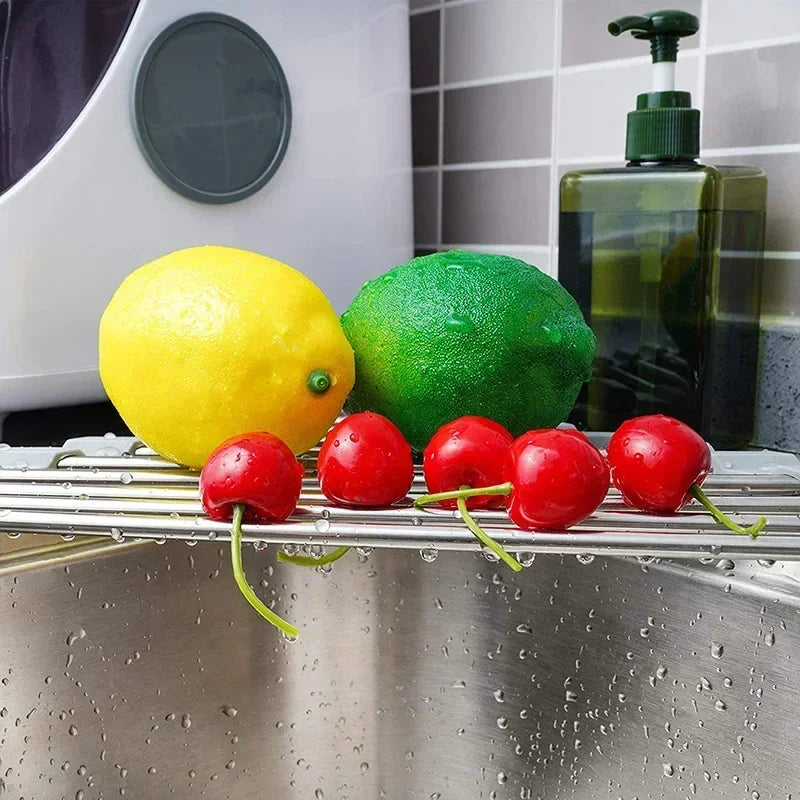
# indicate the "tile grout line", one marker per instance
pixel 555 100
pixel 413 12
pixel 440 143
pixel 492 80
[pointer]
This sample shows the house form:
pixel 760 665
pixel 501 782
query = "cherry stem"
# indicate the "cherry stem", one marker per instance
pixel 484 537
pixel 310 561
pixel 723 519
pixel 480 491
pixel 241 581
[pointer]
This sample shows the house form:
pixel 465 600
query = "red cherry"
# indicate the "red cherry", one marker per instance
pixel 558 477
pixel 655 460
pixel 256 470
pixel 365 461
pixel 659 463
pixel 469 451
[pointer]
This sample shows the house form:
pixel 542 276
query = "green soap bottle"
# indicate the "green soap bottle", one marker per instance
pixel 664 257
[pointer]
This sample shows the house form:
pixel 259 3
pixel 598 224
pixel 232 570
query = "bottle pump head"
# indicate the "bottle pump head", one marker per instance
pixel 664 126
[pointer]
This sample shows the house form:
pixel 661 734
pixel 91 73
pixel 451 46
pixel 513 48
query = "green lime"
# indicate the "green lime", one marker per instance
pixel 460 333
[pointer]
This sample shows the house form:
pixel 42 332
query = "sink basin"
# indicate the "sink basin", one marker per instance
pixel 138 670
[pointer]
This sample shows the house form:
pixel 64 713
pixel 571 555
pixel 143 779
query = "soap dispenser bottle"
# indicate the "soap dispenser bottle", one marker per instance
pixel 664 257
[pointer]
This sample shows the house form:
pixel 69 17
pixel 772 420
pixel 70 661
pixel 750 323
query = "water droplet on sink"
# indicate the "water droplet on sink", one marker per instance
pixel 428 554
pixel 229 711
pixel 526 558
pixel 717 650
pixel 126 478
pixel 499 695
pixel 585 558
pixel 186 722
pixel 117 535
pixel 75 635
pixel 668 770
pixel 769 639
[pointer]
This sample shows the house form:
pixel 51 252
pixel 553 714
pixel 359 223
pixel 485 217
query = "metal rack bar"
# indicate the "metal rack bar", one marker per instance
pixel 140 496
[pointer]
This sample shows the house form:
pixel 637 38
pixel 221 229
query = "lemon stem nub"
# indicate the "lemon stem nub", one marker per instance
pixel 319 381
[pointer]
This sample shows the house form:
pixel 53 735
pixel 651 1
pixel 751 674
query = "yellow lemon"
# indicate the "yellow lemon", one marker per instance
pixel 210 342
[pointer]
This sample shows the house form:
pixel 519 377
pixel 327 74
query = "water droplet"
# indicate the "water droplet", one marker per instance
pixel 290 549
pixel 585 558
pixel 490 555
pixel 292 639
pixel 769 639
pixel 186 722
pixel 661 672
pixel 354 437
pixel 717 650
pixel 74 636
pixel 363 551
pixel 117 535
pixel 459 322
pixel 720 706
pixel 502 723
pixel 526 558
pixel 523 628
pixel 668 770
pixel 73 731
pixel 499 695
pixel 502 778
pixel 644 632
pixel 552 334
pixel 126 478
pixel 429 554
pixel 570 696
pixel 364 767
pixel 229 711
pixel 322 525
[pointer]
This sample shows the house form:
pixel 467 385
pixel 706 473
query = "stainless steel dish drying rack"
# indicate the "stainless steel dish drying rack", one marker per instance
pixel 118 488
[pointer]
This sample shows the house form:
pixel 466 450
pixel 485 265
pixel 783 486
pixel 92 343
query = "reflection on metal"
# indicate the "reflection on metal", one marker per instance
pixel 144 674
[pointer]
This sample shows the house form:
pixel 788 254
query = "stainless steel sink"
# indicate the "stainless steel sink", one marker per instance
pixel 138 670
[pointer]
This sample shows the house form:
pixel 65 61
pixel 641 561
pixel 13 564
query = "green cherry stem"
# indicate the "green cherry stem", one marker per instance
pixel 309 561
pixel 484 537
pixel 723 519
pixel 460 496
pixel 241 581
pixel 481 491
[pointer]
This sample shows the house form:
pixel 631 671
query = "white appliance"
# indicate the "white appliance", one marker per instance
pixel 336 204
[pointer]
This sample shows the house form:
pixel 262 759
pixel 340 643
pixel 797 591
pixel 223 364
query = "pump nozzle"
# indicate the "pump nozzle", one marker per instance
pixel 663 127
pixel 662 28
